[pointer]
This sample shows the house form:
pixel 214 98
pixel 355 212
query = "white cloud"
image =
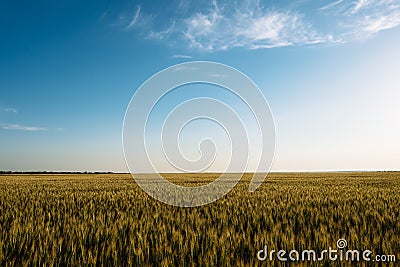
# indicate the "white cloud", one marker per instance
pixel 181 56
pixel 376 24
pixel 135 18
pixel 252 24
pixel 21 127
pixel 10 110
pixel 359 5
pixel 218 75
pixel 331 5
pixel 161 34
pixel 183 68
pixel 252 28
pixel 369 17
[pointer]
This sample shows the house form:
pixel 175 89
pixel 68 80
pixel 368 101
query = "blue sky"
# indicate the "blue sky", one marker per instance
pixel 329 70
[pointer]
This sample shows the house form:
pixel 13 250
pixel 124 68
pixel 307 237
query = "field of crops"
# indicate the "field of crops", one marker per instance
pixel 106 219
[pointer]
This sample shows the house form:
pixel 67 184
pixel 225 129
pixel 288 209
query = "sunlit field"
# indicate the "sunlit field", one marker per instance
pixel 106 219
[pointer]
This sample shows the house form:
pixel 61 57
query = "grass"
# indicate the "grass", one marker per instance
pixel 106 219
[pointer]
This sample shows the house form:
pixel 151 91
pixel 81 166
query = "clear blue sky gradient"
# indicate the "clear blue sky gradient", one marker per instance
pixel 330 72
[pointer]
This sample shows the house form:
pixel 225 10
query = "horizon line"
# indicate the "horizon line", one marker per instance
pixel 111 172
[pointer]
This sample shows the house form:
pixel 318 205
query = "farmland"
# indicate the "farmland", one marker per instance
pixel 106 219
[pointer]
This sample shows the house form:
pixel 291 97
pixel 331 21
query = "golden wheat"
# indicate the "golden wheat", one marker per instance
pixel 80 220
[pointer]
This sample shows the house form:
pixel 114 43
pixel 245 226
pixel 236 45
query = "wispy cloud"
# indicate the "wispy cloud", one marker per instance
pixel 135 17
pixel 181 56
pixel 10 110
pixel 219 75
pixel 251 24
pixel 253 27
pixel 359 5
pixel 162 33
pixel 331 5
pixel 19 127
pixel 183 68
pixel 376 24
pixel 369 17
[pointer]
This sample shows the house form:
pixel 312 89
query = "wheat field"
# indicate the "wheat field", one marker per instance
pixel 107 220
